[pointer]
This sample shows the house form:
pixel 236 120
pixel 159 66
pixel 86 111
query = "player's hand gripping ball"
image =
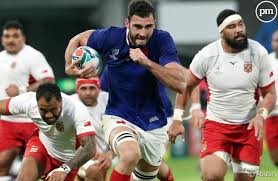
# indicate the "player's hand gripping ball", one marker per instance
pixel 85 56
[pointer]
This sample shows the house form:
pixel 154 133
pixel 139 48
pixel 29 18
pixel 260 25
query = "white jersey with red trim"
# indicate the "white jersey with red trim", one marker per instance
pixel 232 80
pixel 16 69
pixel 274 62
pixel 59 139
pixel 96 113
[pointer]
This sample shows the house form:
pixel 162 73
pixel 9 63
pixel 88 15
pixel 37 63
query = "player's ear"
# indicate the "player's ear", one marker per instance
pixel 126 23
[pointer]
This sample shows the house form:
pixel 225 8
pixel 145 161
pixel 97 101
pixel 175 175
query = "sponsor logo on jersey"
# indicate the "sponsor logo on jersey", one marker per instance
pixel 271 74
pixel 114 52
pixel 204 147
pixel 60 126
pixel 152 119
pixel 248 67
pixel 34 149
pixel 120 122
pixel 88 123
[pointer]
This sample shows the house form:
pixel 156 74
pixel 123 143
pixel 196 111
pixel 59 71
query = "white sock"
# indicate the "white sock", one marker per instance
pixel 5 178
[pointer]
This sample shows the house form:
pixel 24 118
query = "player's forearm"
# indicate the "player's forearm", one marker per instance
pixel 195 95
pixel 173 77
pixel 33 87
pixel 83 155
pixel 269 101
pixel 4 107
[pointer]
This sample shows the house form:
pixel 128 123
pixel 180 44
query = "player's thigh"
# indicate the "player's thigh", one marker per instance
pixel 243 171
pixel 215 172
pixel 31 170
pixel 119 135
pixel 152 145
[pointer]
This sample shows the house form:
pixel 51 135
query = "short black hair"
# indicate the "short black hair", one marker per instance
pixel 16 24
pixel 224 14
pixel 47 91
pixel 141 8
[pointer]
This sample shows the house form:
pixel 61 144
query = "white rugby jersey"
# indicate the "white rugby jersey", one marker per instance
pixel 16 69
pixel 96 113
pixel 59 139
pixel 232 79
pixel 274 63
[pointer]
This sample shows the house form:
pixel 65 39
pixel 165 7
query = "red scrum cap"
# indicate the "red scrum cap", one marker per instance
pixel 92 81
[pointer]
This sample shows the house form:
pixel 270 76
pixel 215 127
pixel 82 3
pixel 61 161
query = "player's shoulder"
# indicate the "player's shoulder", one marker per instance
pixel 210 50
pixel 74 96
pixel 30 49
pixel 2 53
pixel 161 35
pixel 112 31
pixel 26 98
pixel 103 96
pixel 32 52
pixel 256 47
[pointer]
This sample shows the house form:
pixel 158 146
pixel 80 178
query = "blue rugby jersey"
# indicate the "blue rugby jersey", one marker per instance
pixel 133 90
pixel 167 105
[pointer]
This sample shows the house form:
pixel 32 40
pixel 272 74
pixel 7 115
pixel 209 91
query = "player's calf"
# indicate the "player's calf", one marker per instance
pixel 165 173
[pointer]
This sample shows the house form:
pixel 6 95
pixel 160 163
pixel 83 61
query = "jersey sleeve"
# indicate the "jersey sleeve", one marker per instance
pixel 20 104
pixel 266 76
pixel 40 69
pixel 168 51
pixel 83 121
pixel 198 65
pixel 96 40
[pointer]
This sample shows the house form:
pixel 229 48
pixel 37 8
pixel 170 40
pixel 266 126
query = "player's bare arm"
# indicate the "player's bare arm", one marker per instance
pixel 84 154
pixel 4 107
pixel 269 99
pixel 70 68
pixel 176 127
pixel 172 74
pixel 198 115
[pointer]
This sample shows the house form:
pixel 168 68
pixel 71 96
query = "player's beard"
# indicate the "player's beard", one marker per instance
pixel 133 38
pixel 237 44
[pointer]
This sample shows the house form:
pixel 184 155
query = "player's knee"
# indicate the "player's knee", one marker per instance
pixel 130 156
pixel 212 176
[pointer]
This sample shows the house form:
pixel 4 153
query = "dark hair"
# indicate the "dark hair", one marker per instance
pixel 141 8
pixel 47 91
pixel 13 24
pixel 223 15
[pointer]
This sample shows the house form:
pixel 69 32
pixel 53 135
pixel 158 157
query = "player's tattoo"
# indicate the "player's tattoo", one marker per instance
pixel 85 153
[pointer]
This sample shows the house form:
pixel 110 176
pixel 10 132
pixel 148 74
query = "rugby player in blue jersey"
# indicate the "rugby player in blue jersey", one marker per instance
pixel 139 58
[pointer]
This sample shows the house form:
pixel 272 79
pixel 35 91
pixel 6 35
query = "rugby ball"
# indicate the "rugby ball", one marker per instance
pixel 85 56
